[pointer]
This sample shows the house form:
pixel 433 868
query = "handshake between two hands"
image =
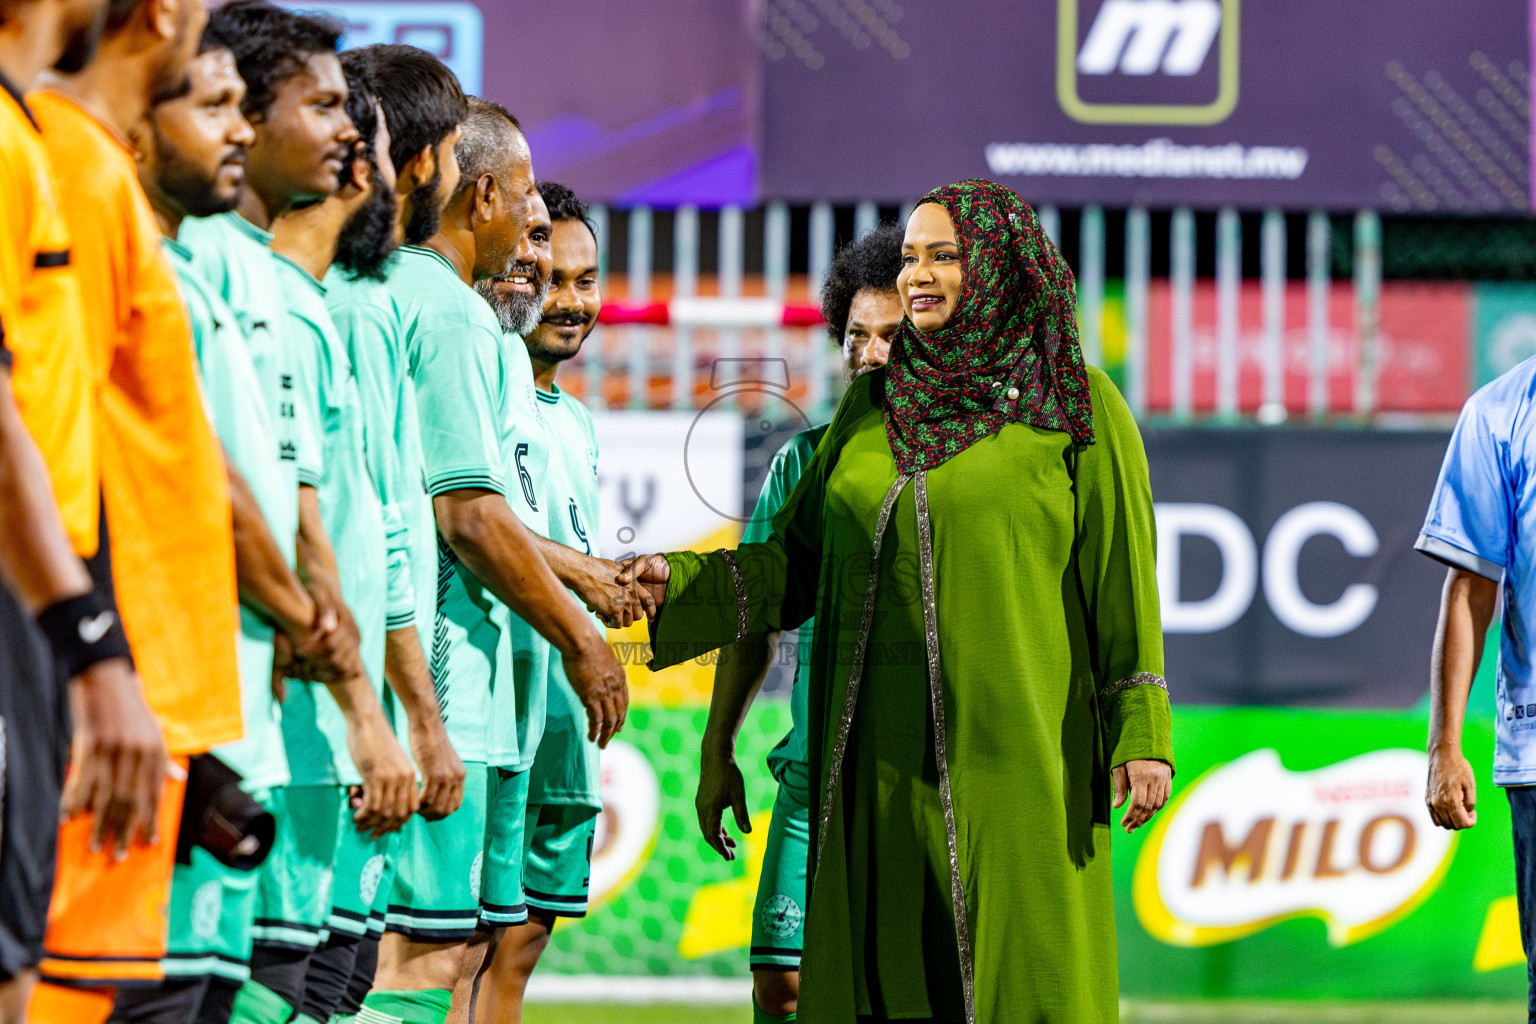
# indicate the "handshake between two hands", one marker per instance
pixel 621 593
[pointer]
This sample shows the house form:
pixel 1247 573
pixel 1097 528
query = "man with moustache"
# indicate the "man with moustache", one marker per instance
pixel 159 459
pixel 405 205
pixel 488 564
pixel 51 472
pixel 295 99
pixel 552 868
pixel 191 152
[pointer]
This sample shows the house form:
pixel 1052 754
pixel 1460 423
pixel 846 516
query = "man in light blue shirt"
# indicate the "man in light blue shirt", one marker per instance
pixel 1482 524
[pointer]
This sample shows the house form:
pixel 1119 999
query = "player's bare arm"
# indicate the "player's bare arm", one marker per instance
pixel 338 655
pixel 117 752
pixel 388 794
pixel 596 582
pixel 500 551
pixel 1467 605
pixel 442 771
pixel 268 586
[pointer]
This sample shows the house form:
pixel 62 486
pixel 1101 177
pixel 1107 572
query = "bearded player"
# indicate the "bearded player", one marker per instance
pixel 558 466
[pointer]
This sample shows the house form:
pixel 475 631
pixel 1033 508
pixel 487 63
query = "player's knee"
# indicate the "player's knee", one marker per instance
pixel 405 965
pixel 777 992
pixel 520 949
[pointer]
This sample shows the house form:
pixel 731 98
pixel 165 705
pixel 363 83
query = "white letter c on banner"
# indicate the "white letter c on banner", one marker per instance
pixel 1281 587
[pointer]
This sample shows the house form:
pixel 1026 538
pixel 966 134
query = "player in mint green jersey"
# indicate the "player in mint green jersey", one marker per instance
pixel 550 870
pixel 303 138
pixel 862 311
pixel 353 229
pixel 192 151
pixel 456 359
pixel 424 97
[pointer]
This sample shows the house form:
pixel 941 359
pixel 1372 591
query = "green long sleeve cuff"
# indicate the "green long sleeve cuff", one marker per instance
pixel 1138 725
pixel 699 613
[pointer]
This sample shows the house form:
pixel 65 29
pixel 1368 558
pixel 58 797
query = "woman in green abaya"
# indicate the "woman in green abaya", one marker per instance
pixel 975 540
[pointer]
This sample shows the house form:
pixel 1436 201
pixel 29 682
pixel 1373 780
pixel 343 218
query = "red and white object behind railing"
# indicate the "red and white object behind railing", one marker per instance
pixel 711 312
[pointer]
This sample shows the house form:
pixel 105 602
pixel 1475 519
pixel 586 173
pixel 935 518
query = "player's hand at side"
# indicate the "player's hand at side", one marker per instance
pixel 389 795
pixel 1452 790
pixel 647 577
pixel 597 584
pixel 720 786
pixel 117 758
pixel 442 771
pixel 601 686
pixel 1145 786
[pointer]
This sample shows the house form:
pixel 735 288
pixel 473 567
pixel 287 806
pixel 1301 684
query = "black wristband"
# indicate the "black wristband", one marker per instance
pixel 82 631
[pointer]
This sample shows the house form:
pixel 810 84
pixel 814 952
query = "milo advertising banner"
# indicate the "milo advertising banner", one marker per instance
pixel 1296 857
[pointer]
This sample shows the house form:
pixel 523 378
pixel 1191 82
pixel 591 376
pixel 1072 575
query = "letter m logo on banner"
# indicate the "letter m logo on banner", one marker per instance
pixel 1137 37
pixel 1146 40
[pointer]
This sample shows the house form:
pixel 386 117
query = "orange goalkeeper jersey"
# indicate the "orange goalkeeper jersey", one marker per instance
pixel 163 480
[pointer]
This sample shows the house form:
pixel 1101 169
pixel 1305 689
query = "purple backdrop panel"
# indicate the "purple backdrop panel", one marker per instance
pixel 1394 104
pixel 648 102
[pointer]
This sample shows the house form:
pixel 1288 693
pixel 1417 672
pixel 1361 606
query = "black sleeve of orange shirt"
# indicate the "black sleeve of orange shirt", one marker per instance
pixel 5 353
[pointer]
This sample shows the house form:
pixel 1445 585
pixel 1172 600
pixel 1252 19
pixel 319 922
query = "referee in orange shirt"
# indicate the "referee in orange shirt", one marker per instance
pixel 119 758
pixel 160 463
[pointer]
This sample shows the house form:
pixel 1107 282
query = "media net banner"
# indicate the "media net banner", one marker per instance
pixel 1403 105
pixel 1296 858
pixel 1385 103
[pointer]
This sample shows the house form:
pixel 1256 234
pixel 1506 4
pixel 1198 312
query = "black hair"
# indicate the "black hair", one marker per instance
pixel 563 205
pixel 489 133
pixel 214 39
pixel 362 105
pixel 869 262
pixel 270 45
pixel 367 240
pixel 422 100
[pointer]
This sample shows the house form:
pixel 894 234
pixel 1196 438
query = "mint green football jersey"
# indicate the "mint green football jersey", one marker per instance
pixel 565 770
pixel 368 320
pixel 238 407
pixel 460 389
pixel 783 474
pixel 234 257
pixel 333 458
pixel 517 712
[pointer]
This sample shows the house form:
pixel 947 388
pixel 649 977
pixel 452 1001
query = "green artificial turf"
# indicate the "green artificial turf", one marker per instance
pixel 1470 1012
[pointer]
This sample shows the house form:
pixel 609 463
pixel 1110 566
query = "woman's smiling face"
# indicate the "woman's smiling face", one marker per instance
pixel 931 272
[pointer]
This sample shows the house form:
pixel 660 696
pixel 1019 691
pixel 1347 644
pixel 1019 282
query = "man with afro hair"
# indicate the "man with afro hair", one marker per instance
pixel 862 311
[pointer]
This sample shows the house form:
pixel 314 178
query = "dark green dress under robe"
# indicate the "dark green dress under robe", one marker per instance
pixel 1019 577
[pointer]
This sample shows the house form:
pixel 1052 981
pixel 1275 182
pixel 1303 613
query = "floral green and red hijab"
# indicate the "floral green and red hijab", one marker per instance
pixel 1013 332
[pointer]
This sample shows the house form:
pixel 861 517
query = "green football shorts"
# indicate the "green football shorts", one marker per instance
pixel 557 858
pixel 436 893
pixel 778 919
pixel 501 895
pixel 365 871
pixel 293 885
pixel 212 912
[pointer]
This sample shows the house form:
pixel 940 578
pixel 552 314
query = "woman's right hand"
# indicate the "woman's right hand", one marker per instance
pixel 650 574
